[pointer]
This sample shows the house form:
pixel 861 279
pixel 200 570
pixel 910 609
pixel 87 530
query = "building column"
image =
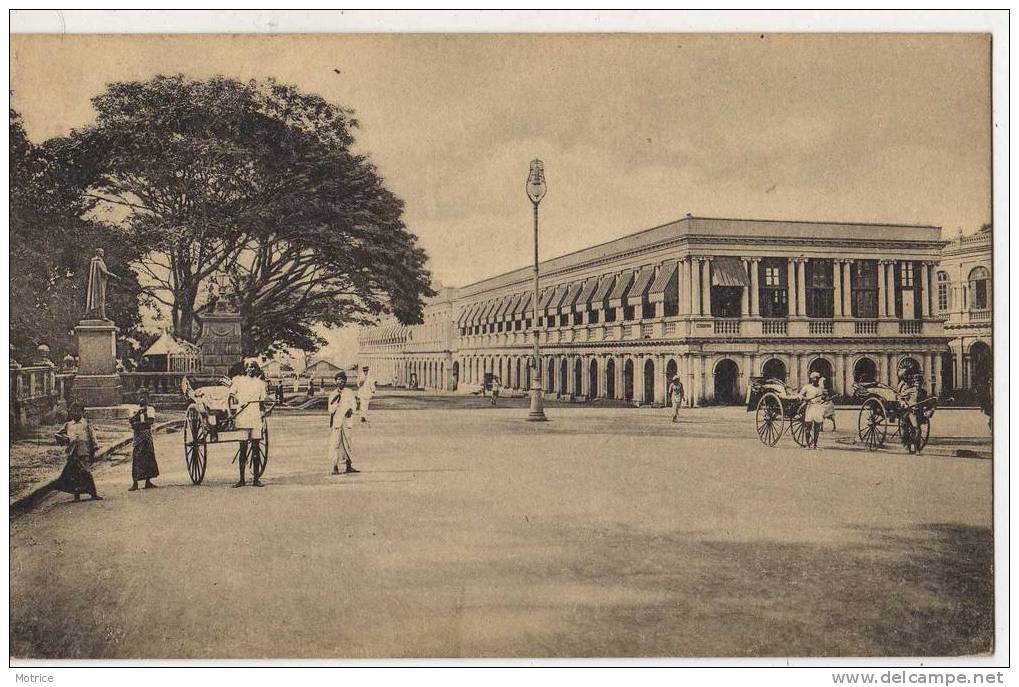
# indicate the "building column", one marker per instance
pixel 638 379
pixel 882 289
pixel 744 306
pixel 695 286
pixel 661 383
pixel 755 289
pixel 847 286
pixel 837 284
pixel 801 287
pixel 925 290
pixel 695 381
pixel 791 287
pixel 939 370
pixel 890 369
pixel 839 383
pixel 702 366
pixel 620 364
pixel 890 291
pixel 706 288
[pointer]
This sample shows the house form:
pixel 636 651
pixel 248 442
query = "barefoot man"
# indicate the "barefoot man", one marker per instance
pixel 342 403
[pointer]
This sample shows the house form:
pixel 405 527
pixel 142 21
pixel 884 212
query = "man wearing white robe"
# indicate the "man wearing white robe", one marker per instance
pixel 342 403
pixel 365 392
pixel 249 391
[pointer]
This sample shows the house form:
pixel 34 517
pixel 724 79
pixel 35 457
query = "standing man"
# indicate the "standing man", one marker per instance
pixel 815 397
pixel 143 454
pixel 342 403
pixel 248 392
pixel 676 397
pixel 98 277
pixel 365 391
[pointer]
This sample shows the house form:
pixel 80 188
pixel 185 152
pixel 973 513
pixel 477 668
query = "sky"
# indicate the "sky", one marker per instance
pixel 634 130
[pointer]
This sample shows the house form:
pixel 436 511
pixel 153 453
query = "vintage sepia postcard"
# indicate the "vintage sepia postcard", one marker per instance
pixel 507 345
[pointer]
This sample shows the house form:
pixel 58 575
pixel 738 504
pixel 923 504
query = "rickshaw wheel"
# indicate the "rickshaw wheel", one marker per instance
pixel 798 428
pixel 770 419
pixel 195 445
pixel 873 424
pixel 263 450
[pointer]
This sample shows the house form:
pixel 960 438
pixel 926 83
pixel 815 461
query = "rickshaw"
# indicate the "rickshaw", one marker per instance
pixel 884 415
pixel 209 419
pixel 777 407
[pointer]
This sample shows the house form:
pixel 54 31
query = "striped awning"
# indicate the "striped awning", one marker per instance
pixel 500 310
pixel 641 283
pixel 523 307
pixel 619 292
pixel 552 307
pixel 602 292
pixel 461 321
pixel 511 304
pixel 728 271
pixel 571 297
pixel 586 292
pixel 666 276
pixel 489 311
pixel 546 296
pixel 472 315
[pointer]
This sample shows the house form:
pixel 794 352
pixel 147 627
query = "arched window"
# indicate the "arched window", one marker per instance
pixel 979 285
pixel 944 292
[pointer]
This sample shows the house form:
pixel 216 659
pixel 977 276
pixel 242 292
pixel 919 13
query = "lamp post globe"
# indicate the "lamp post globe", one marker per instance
pixel 536 189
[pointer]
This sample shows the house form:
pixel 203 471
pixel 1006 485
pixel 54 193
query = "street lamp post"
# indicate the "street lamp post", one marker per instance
pixel 536 191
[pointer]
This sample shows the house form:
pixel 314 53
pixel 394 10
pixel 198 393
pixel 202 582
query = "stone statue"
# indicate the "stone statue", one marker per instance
pixel 98 276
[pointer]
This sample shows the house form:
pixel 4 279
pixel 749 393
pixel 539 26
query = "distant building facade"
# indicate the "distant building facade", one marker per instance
pixel 965 295
pixel 714 301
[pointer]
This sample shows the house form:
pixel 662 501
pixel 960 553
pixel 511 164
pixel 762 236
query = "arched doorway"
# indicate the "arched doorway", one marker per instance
pixel 774 369
pixel 592 380
pixel 981 365
pixel 578 377
pixel 649 382
pixel 550 377
pixel 822 367
pixel 671 370
pixel 865 370
pixel 610 378
pixel 456 374
pixel 727 382
pixel 564 371
pixel 628 380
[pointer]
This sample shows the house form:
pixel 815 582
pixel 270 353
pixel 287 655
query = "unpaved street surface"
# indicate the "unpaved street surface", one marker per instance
pixel 607 532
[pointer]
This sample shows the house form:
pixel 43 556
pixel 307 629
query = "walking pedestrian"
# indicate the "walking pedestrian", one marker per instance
pixel 496 385
pixel 676 397
pixel 342 402
pixel 813 394
pixel 80 442
pixel 248 392
pixel 143 453
pixel 365 391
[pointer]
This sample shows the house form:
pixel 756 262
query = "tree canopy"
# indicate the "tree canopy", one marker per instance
pixel 253 184
pixel 52 244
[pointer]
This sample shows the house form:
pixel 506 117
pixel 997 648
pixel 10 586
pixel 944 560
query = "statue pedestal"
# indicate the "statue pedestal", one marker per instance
pixel 220 342
pixel 97 382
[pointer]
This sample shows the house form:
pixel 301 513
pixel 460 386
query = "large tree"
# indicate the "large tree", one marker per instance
pixel 254 184
pixel 52 243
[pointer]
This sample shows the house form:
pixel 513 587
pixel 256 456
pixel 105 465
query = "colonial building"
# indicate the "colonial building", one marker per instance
pixel 714 301
pixel 964 290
